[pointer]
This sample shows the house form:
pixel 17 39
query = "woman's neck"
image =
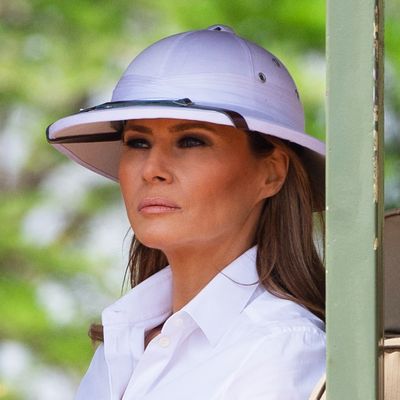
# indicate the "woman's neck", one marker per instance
pixel 193 268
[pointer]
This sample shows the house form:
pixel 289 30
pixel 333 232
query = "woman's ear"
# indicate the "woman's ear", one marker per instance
pixel 275 167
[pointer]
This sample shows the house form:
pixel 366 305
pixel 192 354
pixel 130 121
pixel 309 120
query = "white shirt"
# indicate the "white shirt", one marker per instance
pixel 230 342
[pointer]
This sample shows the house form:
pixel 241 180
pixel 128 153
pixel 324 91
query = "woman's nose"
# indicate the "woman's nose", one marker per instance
pixel 157 166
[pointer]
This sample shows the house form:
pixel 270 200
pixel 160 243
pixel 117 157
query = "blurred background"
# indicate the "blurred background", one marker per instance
pixel 63 231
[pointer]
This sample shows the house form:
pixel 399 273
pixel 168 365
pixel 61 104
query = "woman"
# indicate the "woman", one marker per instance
pixel 205 134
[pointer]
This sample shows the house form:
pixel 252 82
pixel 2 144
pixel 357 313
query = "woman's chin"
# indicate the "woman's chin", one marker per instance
pixel 157 239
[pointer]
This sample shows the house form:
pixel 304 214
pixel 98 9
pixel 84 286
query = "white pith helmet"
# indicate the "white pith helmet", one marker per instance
pixel 209 75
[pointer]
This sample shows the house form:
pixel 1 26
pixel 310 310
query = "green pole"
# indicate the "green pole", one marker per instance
pixel 354 199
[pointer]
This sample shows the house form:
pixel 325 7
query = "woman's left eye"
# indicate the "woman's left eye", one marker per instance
pixel 191 141
pixel 137 143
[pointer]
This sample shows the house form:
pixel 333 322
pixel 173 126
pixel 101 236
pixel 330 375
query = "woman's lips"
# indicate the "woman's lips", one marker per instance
pixel 157 206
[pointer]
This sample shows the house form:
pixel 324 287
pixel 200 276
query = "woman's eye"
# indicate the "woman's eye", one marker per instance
pixel 191 141
pixel 137 143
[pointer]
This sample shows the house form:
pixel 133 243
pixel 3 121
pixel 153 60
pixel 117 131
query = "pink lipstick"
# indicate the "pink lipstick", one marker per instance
pixel 157 205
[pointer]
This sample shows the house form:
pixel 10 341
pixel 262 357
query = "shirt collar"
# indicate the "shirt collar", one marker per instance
pixel 214 308
pixel 217 305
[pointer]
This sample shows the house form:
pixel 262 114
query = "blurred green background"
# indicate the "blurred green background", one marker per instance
pixel 62 229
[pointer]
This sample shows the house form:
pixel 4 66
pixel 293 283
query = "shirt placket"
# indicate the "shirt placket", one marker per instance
pixel 119 359
pixel 158 355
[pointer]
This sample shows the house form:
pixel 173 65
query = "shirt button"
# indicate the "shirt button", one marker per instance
pixel 164 341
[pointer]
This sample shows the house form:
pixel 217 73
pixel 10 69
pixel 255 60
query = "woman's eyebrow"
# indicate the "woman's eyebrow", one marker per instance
pixel 190 125
pixel 173 129
pixel 138 128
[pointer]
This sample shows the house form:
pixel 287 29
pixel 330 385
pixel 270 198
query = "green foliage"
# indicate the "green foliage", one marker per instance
pixel 57 57
pixel 19 309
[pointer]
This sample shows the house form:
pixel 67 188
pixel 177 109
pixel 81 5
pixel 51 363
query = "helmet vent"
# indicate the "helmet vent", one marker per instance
pixel 221 28
pixel 262 77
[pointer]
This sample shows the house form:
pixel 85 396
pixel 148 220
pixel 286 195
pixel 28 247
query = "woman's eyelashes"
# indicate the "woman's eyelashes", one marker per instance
pixel 191 141
pixel 186 141
pixel 137 143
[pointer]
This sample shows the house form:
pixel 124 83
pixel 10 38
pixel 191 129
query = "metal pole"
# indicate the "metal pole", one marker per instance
pixel 354 199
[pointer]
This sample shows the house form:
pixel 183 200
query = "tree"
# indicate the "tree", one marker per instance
pixel 57 218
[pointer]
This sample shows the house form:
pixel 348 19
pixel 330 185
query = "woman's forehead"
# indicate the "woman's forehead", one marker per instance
pixel 174 125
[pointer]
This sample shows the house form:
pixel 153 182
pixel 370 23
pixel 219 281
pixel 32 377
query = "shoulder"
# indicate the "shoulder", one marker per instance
pixel 95 384
pixel 285 330
pixel 280 366
pixel 287 355
pixel 273 315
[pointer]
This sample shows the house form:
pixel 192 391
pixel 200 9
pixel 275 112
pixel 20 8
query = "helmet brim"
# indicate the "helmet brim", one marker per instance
pixel 92 137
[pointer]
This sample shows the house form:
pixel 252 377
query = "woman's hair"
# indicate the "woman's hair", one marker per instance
pixel 288 263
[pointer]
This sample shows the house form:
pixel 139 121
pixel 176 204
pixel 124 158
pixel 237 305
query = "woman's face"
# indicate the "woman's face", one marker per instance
pixel 188 183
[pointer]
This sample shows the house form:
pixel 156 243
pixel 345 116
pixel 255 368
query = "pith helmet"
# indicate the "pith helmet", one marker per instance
pixel 210 75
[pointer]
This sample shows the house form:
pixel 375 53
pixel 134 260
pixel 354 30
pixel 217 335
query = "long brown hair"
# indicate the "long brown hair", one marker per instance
pixel 288 262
